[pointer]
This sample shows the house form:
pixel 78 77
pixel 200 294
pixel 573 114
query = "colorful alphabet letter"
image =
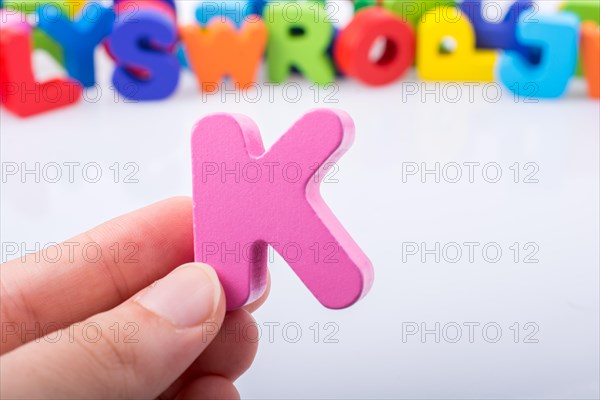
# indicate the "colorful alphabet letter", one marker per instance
pixel 502 34
pixel 246 199
pixel 354 43
pixel 79 38
pixel 590 50
pixel 299 36
pixel 587 11
pixel 465 62
pixel 558 37
pixel 19 92
pixel 143 46
pixel 41 40
pixel 220 49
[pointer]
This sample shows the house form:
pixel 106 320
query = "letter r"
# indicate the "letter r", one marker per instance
pixel 281 210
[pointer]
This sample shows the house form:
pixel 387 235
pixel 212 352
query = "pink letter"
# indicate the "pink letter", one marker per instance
pixel 257 198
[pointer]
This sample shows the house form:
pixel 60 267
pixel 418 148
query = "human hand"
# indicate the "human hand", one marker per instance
pixel 91 327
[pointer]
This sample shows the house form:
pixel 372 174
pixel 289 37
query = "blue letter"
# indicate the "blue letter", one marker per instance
pixel 78 38
pixel 143 45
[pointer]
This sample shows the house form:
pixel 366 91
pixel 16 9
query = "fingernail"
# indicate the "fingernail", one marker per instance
pixel 187 296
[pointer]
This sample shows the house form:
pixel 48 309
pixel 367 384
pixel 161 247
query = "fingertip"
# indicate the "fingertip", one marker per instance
pixel 189 296
pixel 212 387
pixel 184 202
pixel 220 303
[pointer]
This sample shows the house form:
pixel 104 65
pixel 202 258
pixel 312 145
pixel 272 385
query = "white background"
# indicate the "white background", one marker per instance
pixel 559 213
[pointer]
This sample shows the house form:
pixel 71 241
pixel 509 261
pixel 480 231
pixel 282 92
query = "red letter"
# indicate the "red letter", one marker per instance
pixel 354 45
pixel 19 92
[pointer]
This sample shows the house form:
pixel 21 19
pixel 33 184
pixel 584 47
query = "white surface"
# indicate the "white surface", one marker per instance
pixel 560 214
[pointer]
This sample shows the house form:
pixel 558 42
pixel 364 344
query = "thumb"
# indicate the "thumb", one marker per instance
pixel 134 350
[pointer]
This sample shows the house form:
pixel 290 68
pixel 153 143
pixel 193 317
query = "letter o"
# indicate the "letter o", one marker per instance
pixel 298 330
pixel 354 43
pixel 97 330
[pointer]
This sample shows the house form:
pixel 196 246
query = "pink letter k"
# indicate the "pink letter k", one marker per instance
pixel 246 199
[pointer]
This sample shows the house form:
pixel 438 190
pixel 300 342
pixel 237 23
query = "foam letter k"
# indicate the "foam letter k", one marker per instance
pixel 246 199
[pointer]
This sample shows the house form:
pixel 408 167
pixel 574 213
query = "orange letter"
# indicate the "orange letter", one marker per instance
pixel 219 50
pixel 590 50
